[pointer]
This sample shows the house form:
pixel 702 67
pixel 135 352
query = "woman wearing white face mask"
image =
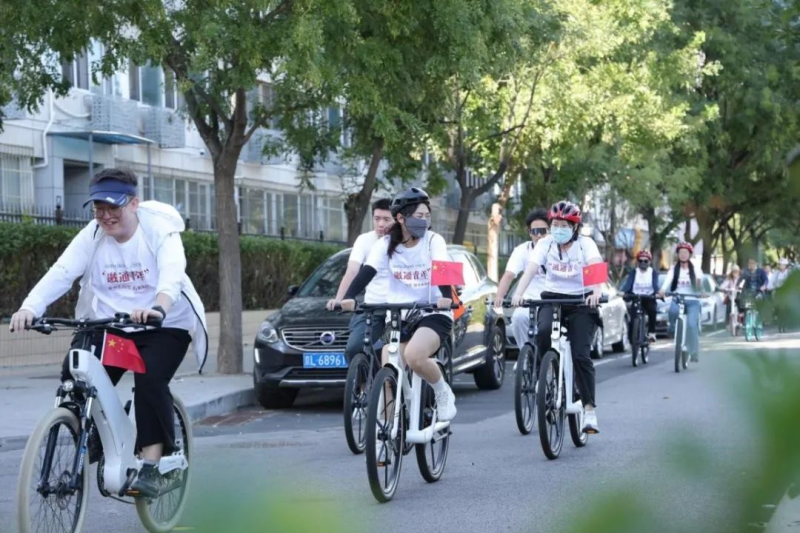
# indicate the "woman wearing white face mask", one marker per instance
pixel 564 254
pixel 407 254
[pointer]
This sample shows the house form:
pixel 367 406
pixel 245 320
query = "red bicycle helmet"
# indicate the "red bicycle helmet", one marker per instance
pixel 644 254
pixel 565 210
pixel 684 246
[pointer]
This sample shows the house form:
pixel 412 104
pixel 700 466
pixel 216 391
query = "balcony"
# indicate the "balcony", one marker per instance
pixel 254 149
pixel 111 113
pixel 12 110
pixel 164 126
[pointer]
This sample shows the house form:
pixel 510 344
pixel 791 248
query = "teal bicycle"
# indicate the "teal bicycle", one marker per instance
pixel 753 325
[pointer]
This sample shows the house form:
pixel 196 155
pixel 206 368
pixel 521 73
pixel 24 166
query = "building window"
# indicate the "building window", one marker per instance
pixel 16 181
pixel 331 219
pixel 198 205
pixel 180 198
pixel 152 80
pixel 76 72
pixel 254 216
pixel 307 227
pixel 164 190
pixel 291 221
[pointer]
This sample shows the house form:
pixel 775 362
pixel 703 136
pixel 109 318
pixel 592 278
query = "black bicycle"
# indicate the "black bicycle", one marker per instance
pixel 640 343
pixel 526 375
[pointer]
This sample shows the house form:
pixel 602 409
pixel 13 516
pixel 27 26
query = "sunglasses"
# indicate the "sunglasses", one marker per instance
pixel 538 231
pixel 644 262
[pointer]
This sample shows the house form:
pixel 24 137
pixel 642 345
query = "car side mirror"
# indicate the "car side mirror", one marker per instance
pixel 292 290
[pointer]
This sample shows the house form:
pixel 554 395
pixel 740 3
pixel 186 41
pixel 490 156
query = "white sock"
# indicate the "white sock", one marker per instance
pixel 440 386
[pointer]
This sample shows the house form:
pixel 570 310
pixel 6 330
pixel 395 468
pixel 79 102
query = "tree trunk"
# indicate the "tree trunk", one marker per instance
pixel 493 233
pixel 463 215
pixel 357 204
pixel 229 354
pixel 705 233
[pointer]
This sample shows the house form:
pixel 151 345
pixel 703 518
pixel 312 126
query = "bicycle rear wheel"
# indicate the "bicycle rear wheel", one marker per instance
pixel 356 391
pixel 48 503
pixel 162 514
pixel 431 456
pixel 525 389
pixel 384 453
pixel 635 340
pixel 748 326
pixel 678 345
pixel 551 418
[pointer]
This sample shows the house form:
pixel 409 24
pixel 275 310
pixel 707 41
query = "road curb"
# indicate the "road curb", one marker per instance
pixel 221 405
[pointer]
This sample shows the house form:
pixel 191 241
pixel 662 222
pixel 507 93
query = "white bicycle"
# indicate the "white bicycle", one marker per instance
pixel 401 417
pixel 556 377
pixel 53 482
pixel 681 351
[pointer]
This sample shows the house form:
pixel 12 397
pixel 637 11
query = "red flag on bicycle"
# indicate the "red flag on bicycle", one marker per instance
pixel 122 353
pixel 447 273
pixel 595 274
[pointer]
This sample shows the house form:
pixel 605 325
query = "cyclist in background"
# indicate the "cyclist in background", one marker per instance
pixel 538 226
pixel 684 278
pixel 381 222
pixel 130 260
pixel 406 254
pixel 782 273
pixel 564 254
pixel 643 281
pixel 730 287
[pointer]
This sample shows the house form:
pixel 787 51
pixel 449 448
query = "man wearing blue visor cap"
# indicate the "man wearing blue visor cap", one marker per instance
pixel 130 260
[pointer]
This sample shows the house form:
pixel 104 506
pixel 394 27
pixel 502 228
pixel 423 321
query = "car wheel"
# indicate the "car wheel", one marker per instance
pixel 625 342
pixel 489 376
pixel 598 343
pixel 273 398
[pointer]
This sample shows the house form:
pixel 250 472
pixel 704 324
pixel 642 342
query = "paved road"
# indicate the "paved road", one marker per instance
pixel 259 468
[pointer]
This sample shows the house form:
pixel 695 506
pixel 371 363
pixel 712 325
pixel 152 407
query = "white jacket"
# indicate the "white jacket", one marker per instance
pixel 158 222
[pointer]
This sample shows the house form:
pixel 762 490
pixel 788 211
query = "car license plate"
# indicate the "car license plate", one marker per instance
pixel 324 360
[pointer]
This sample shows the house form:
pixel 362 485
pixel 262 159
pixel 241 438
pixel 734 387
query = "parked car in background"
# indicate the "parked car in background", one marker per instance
pixel 712 307
pixel 303 327
pixel 612 336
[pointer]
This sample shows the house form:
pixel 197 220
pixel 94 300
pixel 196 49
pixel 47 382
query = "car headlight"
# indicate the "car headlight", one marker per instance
pixel 267 333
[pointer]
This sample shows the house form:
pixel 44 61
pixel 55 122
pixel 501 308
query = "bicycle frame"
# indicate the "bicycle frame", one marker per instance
pixel 565 367
pixel 410 391
pixel 116 428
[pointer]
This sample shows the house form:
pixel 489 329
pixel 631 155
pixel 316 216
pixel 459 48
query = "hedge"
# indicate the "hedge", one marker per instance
pixel 269 266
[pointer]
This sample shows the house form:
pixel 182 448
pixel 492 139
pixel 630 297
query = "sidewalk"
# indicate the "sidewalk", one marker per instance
pixel 27 392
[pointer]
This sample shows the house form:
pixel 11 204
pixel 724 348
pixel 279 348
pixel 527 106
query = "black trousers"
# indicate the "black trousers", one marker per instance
pixel 581 323
pixel 650 311
pixel 163 351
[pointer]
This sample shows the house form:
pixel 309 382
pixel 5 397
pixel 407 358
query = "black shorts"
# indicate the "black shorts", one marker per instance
pixel 438 322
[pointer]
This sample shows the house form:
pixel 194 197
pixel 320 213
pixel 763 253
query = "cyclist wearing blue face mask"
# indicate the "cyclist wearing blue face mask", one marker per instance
pixel 564 254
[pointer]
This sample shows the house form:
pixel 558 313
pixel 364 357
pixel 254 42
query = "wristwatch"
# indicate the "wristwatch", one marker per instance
pixel 160 310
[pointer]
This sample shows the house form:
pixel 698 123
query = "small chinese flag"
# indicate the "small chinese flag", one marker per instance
pixel 595 274
pixel 122 353
pixel 447 273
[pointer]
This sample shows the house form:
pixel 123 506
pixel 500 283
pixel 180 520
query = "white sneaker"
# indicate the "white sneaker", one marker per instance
pixel 652 338
pixel 446 405
pixel 590 422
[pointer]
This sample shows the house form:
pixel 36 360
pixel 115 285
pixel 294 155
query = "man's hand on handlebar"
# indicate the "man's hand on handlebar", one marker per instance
pixel 444 303
pixel 593 299
pixel 348 305
pixel 332 303
pixel 21 320
pixel 517 299
pixel 142 316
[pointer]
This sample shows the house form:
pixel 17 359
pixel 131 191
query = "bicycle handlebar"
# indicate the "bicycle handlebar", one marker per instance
pixel 397 307
pixel 577 302
pixel 47 325
pixel 682 295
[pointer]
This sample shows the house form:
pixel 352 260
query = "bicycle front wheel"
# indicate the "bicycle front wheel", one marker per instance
pixel 431 456
pixel 551 418
pixel 635 341
pixel 46 499
pixel 678 345
pixel 355 403
pixel 525 389
pixel 160 515
pixel 384 452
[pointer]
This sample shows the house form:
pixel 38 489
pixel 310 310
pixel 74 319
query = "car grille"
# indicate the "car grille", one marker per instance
pixel 309 339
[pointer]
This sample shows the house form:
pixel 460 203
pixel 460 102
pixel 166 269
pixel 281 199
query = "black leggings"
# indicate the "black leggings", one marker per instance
pixel 650 311
pixel 163 351
pixel 582 322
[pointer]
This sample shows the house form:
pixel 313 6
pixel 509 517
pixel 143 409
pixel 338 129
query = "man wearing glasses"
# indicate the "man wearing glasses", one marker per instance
pixel 130 260
pixel 643 281
pixel 538 226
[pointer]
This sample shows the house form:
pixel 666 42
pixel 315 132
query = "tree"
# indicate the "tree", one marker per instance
pixel 216 52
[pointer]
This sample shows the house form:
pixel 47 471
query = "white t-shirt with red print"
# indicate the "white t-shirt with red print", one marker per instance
pixel 125 278
pixel 684 280
pixel 564 270
pixel 409 269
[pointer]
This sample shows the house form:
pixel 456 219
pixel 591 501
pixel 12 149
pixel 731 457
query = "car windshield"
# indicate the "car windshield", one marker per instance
pixel 324 282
